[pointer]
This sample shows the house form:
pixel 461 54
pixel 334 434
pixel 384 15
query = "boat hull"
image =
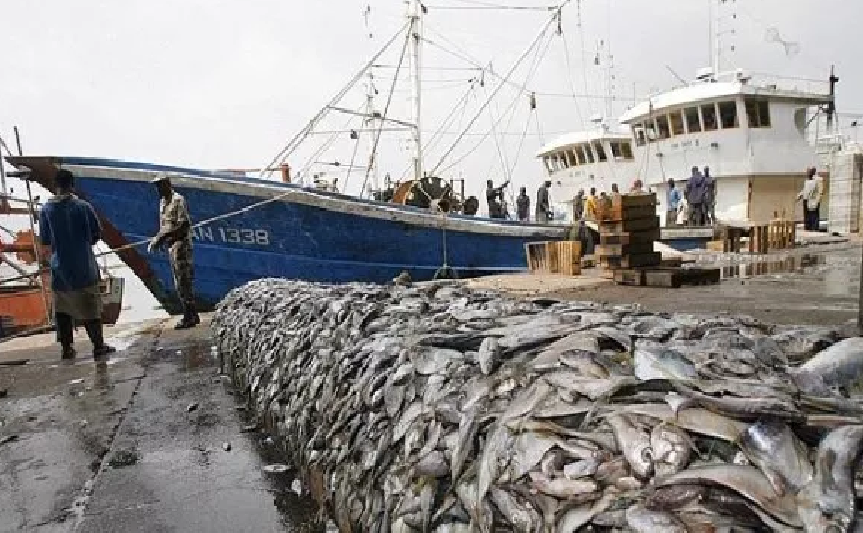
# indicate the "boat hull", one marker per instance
pixel 297 233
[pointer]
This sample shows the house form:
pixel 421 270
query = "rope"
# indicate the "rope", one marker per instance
pixel 292 144
pixel 571 78
pixel 497 90
pixel 351 166
pixel 408 35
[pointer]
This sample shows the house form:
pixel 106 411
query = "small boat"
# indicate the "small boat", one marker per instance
pixel 25 304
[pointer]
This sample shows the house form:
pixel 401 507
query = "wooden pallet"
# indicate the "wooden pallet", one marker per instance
pixel 554 257
pixel 674 277
pixel 635 248
pixel 568 258
pixel 668 277
pixel 629 276
pixel 629 225
pixel 631 261
pixel 617 213
pixel 782 234
pixel 629 237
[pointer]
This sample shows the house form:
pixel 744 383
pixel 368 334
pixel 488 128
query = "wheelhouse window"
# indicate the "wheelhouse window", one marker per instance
pixel 600 151
pixel 638 133
pixel 579 151
pixel 758 113
pixel 650 131
pixel 662 127
pixel 626 149
pixel 561 159
pixel 573 160
pixel 728 115
pixel 676 120
pixel 708 114
pixel 547 163
pixel 589 153
pixel 693 124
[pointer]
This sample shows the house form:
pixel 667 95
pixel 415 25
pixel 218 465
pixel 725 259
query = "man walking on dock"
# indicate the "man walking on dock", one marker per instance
pixel 543 204
pixel 175 231
pixel 70 227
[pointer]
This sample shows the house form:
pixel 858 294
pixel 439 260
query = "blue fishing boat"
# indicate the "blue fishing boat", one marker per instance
pixel 287 231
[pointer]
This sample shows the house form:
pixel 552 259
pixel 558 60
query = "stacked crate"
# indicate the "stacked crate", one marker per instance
pixel 554 257
pixel 627 231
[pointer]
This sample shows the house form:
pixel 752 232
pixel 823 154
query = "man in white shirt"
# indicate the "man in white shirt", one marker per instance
pixel 811 196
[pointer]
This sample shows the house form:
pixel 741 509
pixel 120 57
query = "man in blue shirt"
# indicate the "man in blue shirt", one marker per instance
pixel 672 204
pixel 70 227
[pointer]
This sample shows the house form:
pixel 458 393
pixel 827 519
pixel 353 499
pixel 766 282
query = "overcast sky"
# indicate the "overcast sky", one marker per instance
pixel 224 83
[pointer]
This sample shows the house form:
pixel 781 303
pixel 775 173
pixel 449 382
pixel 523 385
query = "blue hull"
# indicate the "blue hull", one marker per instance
pixel 308 235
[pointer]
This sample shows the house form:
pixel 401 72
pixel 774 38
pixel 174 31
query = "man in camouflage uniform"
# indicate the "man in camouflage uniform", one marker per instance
pixel 175 231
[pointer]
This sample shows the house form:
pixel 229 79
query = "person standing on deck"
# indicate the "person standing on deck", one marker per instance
pixel 70 227
pixel 175 231
pixel 578 206
pixel 811 196
pixel 672 203
pixel 543 204
pixel 696 191
pixel 494 197
pixel 591 206
pixel 710 200
pixel 522 205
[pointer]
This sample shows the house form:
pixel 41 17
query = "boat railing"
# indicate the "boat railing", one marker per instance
pixel 789 83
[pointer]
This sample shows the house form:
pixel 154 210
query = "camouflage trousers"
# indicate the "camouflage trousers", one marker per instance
pixel 181 268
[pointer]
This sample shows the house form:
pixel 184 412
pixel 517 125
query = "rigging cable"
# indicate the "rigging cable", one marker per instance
pixel 499 87
pixel 408 35
pixel 289 148
pixel 572 79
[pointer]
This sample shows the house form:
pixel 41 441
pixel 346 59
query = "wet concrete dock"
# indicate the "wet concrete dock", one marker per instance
pixel 153 440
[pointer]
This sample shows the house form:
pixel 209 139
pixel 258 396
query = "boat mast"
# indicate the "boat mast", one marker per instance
pixel 415 12
pixel 716 36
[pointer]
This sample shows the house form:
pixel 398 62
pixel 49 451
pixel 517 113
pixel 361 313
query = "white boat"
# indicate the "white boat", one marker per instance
pixel 588 159
pixel 751 132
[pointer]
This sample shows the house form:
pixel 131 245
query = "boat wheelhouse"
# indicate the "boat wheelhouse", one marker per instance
pixel 585 159
pixel 751 133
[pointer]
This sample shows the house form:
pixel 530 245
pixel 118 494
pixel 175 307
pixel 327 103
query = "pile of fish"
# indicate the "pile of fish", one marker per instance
pixel 438 408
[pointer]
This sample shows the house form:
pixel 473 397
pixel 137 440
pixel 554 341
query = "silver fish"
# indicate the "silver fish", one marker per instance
pixel 490 466
pixel 583 468
pixel 487 354
pixel 827 503
pixel 562 487
pixel 572 519
pixel 466 431
pixel 634 443
pixel 670 448
pixel 657 362
pixel 773 447
pixel 643 520
pixel 838 366
pixel 529 449
pixel 520 514
pixel 747 481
